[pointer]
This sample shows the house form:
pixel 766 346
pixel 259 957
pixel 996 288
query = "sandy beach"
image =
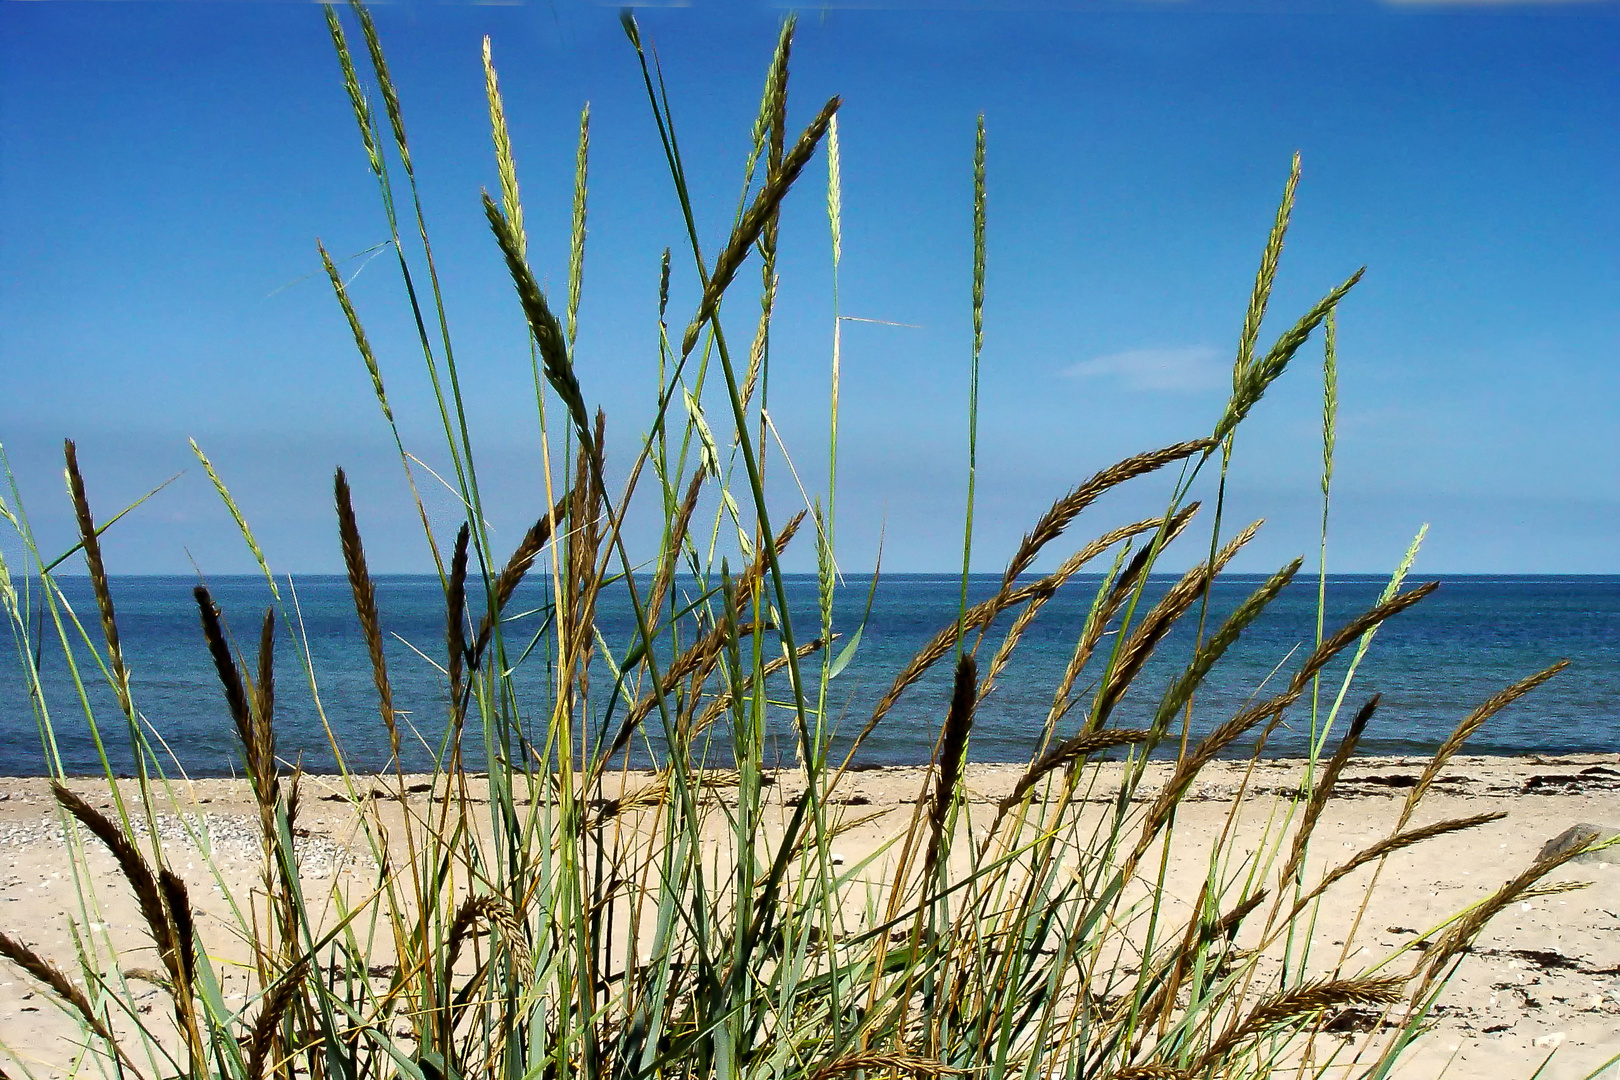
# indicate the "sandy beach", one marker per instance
pixel 1544 976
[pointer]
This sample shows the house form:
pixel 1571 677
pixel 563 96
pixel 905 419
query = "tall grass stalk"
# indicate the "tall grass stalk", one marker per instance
pixel 611 875
pixel 973 367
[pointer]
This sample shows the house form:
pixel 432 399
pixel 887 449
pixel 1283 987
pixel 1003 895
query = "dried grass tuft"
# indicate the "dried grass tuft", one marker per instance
pixel 178 905
pixel 1171 607
pixel 1462 933
pixel 1388 846
pixel 365 606
pixel 273 1010
pixel 52 976
pixel 89 540
pixel 494 912
pixel 1325 785
pixel 230 679
pixel 455 617
pixel 1067 508
pixel 1311 999
pixel 141 880
pixel 517 567
pixel 1468 726
pixel 952 756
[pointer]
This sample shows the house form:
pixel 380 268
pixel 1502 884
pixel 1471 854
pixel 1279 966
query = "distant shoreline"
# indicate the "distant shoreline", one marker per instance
pixel 1605 763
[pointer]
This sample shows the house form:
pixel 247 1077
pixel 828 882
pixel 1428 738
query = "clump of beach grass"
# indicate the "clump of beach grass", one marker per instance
pixel 551 917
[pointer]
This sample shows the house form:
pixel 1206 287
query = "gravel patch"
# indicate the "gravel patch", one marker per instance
pixel 229 836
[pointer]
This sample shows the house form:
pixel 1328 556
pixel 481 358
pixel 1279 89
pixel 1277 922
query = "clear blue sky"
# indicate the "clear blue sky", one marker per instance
pixel 165 170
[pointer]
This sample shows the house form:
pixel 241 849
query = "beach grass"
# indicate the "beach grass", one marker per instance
pixel 551 911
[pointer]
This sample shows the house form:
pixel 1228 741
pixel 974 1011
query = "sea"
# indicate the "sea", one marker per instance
pixel 1432 664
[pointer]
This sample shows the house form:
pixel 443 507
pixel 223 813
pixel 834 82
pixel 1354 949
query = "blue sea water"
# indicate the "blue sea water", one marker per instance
pixel 1432 664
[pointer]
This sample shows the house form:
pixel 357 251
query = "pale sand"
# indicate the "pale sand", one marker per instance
pixel 1543 975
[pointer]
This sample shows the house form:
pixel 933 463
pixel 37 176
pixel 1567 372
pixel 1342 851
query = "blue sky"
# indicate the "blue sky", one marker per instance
pixel 165 170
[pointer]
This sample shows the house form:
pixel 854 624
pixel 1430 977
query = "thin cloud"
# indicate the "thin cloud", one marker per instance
pixel 1185 370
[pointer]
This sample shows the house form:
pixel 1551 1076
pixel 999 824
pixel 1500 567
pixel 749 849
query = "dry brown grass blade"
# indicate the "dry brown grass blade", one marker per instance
pixel 283 895
pixel 1148 1072
pixel 753 222
pixel 578 564
pixel 749 581
pixel 722 701
pixel 595 500
pixel 1271 709
pixel 1064 510
pixel 836 827
pixel 147 975
pixel 1181 692
pixel 1069 750
pixel 1158 622
pixel 455 616
pixel 164 906
pixel 293 788
pixel 178 904
pixel 1325 785
pixel 518 565
pixel 275 1006
pixel 264 712
pixel 1009 643
pixel 461 927
pixel 52 976
pixel 1461 935
pixel 1170 972
pixel 953 741
pixel 91 543
pixel 260 750
pixel 494 912
pixel 1353 629
pixel 1554 888
pixel 1319 659
pixel 581 584
pixel 699 659
pixel 148 898
pixel 1466 729
pixel 1097 621
pixel 641 798
pixel 1311 999
pixel 1388 846
pixel 365 606
pixel 230 679
pixel 677 540
pixel 1228 926
pixel 983 614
